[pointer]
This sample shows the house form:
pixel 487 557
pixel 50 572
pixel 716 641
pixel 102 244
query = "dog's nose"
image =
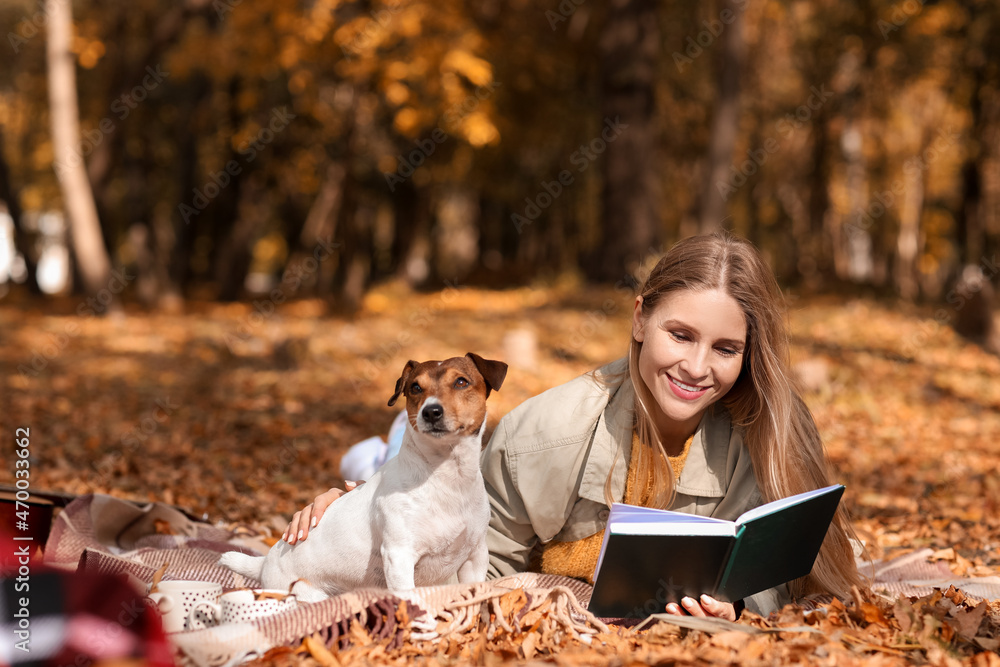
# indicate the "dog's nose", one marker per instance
pixel 433 413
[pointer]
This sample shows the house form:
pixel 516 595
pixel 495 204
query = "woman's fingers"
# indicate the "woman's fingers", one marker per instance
pixel 296 528
pixel 304 522
pixel 288 528
pixel 692 607
pixel 287 535
pixel 309 516
pixel 324 500
pixel 704 606
pixel 718 609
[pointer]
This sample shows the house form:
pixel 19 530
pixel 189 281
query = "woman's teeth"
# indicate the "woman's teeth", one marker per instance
pixel 686 387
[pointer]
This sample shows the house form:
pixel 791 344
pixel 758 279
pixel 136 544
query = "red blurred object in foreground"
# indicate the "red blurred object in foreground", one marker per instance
pixel 54 618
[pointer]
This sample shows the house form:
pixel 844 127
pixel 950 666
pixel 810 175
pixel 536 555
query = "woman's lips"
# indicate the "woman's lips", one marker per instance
pixel 686 394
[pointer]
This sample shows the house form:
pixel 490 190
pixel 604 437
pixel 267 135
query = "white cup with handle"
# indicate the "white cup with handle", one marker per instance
pixel 241 606
pixel 176 599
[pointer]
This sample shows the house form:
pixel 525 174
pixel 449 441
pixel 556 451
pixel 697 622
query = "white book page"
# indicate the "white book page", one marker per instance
pixel 632 520
pixel 678 528
pixel 782 503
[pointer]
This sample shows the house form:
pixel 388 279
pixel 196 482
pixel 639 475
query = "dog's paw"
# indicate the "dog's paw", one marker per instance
pixel 306 592
pixel 412 598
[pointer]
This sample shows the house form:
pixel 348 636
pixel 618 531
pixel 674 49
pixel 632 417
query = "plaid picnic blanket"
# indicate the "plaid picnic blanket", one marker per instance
pixel 100 534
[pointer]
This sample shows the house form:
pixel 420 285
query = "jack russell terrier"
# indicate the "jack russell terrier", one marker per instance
pixel 422 517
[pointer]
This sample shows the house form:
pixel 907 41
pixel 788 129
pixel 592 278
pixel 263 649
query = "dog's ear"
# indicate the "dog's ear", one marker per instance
pixel 492 371
pixel 401 382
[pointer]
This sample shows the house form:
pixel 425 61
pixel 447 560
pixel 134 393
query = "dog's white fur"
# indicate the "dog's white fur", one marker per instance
pixel 420 519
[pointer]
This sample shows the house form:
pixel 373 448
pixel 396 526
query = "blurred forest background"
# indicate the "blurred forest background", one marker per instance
pixel 229 148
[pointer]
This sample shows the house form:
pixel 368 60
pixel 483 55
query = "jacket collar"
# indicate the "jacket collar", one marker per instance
pixel 611 445
pixel 705 471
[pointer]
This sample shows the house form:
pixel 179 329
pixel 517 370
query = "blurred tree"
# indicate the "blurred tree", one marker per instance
pixel 629 45
pixel 725 25
pixel 91 255
pixel 977 222
pixel 443 141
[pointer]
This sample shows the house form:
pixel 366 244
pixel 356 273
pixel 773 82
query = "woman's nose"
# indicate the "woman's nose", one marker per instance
pixel 696 362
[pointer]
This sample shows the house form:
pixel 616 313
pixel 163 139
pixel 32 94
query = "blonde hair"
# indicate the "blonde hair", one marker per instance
pixel 778 430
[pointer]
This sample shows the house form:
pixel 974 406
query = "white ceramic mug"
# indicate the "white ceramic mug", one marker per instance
pixel 176 599
pixel 241 606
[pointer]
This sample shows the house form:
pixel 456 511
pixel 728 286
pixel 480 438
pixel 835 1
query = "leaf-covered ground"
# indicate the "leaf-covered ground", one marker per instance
pixel 240 413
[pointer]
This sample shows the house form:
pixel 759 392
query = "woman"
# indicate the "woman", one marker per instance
pixel 702 417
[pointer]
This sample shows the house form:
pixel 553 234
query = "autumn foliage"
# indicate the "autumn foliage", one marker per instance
pixel 246 428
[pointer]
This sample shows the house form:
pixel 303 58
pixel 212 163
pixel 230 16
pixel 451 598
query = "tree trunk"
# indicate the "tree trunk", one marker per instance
pixel 187 168
pixel 969 223
pixel 626 140
pixel 321 221
pixel 319 229
pixel 236 253
pixel 134 69
pixel 725 122
pixel 92 257
pixel 456 233
pixel 358 217
pixel 908 241
pixel 411 241
pixel 23 243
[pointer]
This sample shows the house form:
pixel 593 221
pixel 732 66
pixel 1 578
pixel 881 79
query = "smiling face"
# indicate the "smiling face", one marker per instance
pixel 693 344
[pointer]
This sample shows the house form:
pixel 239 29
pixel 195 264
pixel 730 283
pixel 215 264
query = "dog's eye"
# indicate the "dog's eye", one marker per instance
pixel 461 383
pixel 415 388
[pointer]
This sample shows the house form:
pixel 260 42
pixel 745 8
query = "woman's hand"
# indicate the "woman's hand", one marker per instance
pixel 708 607
pixel 309 516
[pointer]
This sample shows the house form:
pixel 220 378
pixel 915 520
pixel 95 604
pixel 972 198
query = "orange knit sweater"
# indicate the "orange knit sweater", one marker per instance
pixel 579 558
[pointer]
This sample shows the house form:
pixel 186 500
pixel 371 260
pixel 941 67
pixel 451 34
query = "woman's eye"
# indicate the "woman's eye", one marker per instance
pixel 728 352
pixel 415 388
pixel 676 335
pixel 461 383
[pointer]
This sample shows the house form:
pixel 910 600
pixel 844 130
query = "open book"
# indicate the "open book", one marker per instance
pixel 651 557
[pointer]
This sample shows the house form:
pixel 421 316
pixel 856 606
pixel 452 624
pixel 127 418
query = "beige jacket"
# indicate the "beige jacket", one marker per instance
pixel 545 468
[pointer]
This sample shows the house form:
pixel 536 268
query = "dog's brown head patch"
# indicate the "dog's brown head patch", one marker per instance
pixel 460 384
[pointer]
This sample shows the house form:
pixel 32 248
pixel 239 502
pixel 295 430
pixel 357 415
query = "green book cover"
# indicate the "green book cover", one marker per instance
pixel 650 557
